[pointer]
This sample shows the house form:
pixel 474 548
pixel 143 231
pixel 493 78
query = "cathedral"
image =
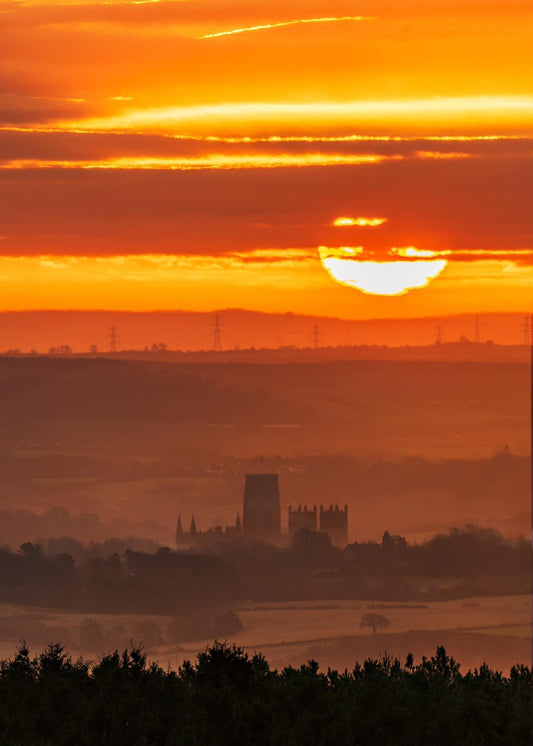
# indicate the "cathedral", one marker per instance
pixel 262 517
pixel 193 536
pixel 332 521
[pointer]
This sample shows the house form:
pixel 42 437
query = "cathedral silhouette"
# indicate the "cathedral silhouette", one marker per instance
pixel 262 517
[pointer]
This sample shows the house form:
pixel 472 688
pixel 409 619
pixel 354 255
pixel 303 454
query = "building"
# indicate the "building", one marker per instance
pixel 333 521
pixel 193 536
pixel 261 511
pixel 302 518
pixel 262 517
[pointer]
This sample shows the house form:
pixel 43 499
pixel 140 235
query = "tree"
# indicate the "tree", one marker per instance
pixel 376 621
pixel 31 550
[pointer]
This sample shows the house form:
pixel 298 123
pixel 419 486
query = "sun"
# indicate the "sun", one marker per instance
pixel 354 267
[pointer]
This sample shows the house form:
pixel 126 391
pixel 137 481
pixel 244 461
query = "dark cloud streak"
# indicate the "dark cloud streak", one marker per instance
pixel 87 146
pixel 457 205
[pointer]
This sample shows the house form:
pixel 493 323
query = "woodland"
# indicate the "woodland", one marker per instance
pixel 228 697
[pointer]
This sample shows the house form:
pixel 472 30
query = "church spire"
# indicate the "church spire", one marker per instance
pixel 179 529
pixel 238 526
pixel 193 526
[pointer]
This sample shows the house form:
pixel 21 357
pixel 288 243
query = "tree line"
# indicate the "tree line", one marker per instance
pixel 480 561
pixel 227 697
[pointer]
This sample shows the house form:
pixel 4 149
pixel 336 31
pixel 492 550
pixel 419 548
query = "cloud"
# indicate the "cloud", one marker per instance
pixel 291 118
pixel 26 108
pixel 213 161
pixel 437 155
pixel 27 148
pixel 435 205
pixel 360 222
pixel 414 254
pixel 57 43
pixel 285 256
pixel 507 255
pixel 284 24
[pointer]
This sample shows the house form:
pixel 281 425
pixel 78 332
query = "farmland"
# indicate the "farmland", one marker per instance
pixel 495 630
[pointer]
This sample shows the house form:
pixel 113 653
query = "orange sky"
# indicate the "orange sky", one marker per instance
pixel 145 166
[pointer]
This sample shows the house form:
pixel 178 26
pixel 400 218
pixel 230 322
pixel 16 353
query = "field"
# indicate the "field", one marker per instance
pixel 291 622
pixel 495 630
pixel 429 445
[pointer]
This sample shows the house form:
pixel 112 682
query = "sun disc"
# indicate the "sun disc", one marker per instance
pixel 380 278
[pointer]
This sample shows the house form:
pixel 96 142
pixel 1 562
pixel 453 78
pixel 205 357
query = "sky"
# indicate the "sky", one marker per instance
pixel 349 159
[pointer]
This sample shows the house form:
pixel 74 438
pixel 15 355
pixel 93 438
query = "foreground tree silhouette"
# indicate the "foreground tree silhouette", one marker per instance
pixel 227 697
pixel 375 621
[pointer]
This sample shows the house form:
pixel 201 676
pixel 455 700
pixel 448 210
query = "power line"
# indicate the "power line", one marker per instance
pixel 316 336
pixel 217 333
pixel 112 338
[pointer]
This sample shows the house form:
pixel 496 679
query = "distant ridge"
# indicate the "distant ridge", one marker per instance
pixel 189 330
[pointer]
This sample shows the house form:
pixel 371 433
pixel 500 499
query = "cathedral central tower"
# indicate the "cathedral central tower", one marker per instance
pixel 262 514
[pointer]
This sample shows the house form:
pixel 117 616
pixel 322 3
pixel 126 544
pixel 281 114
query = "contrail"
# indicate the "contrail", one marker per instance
pixel 287 23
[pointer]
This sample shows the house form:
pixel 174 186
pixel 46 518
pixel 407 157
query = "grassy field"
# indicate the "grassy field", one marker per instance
pixel 314 620
pixel 495 629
